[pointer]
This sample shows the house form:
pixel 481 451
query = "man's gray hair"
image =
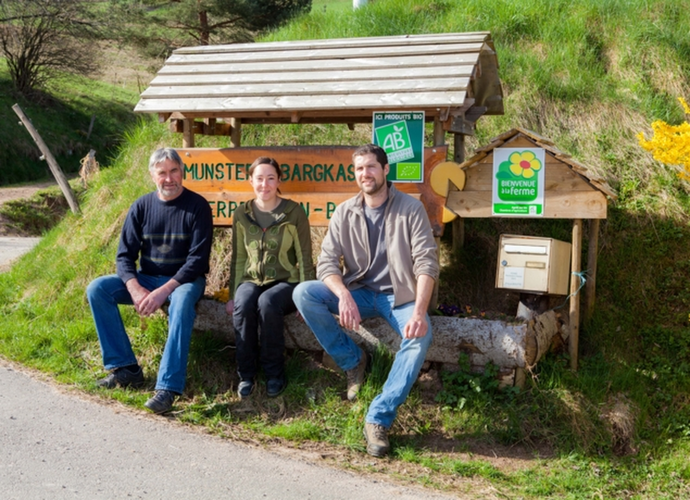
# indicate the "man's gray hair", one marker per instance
pixel 163 154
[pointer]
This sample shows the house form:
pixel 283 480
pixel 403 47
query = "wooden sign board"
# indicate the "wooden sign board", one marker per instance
pixel 317 177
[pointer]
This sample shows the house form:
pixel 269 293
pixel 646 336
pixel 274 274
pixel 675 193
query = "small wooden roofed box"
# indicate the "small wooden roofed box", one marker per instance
pixel 571 191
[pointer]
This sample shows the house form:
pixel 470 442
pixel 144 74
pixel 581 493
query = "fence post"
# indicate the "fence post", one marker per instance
pixel 48 156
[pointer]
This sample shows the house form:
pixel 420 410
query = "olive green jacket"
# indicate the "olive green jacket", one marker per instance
pixel 281 252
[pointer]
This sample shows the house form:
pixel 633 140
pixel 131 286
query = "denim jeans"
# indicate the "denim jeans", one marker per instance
pixel 261 308
pixel 317 305
pixel 106 292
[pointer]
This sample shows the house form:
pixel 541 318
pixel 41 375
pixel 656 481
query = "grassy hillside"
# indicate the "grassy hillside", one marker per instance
pixel 63 117
pixel 588 75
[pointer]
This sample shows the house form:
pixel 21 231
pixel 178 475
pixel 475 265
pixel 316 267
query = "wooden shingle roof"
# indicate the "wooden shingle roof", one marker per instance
pixel 330 81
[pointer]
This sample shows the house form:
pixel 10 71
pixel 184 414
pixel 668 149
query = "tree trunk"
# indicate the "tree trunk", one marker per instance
pixel 204 32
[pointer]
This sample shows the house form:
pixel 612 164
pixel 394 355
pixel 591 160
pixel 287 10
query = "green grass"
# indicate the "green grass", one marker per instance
pixel 589 75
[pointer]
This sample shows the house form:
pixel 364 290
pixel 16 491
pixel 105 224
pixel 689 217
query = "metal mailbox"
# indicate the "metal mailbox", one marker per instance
pixel 533 265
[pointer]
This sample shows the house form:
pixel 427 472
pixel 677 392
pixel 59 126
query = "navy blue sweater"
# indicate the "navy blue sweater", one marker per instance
pixel 169 238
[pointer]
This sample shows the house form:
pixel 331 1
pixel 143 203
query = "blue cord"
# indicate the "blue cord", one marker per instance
pixel 583 280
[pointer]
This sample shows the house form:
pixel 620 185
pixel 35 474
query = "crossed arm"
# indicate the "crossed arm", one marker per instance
pixel 147 302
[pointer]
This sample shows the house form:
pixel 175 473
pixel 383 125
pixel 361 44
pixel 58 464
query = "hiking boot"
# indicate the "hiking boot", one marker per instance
pixel 275 386
pixel 124 378
pixel 161 402
pixel 377 439
pixel 245 389
pixel 355 377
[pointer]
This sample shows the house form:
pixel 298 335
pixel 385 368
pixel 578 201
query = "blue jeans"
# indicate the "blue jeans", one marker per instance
pixel 106 292
pixel 317 305
pixel 261 308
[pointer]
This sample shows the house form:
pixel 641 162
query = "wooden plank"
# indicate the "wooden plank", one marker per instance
pixel 346 116
pixel 320 54
pixel 428 60
pixel 539 138
pixel 306 88
pixel 437 38
pixel 304 169
pixel 591 283
pixel 374 74
pixel 574 337
pixel 319 207
pixel 374 101
pixel 557 204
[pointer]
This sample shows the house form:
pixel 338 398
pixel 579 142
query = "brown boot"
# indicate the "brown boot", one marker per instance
pixel 377 439
pixel 355 377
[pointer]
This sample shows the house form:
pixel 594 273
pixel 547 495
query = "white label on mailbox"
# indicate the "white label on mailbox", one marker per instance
pixel 514 277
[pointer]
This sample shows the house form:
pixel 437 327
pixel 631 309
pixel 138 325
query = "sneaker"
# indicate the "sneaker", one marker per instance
pixel 124 378
pixel 245 389
pixel 161 402
pixel 355 377
pixel 275 386
pixel 377 439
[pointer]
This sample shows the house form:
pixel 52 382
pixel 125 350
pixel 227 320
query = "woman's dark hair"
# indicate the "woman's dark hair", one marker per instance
pixel 265 160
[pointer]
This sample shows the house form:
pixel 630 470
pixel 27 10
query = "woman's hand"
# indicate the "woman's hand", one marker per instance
pixel 229 307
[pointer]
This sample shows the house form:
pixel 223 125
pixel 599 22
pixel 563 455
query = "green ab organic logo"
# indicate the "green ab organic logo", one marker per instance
pixel 395 141
pixel 517 179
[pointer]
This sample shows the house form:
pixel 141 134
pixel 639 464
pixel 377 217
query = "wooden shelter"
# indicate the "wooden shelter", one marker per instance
pixel 213 90
pixel 571 191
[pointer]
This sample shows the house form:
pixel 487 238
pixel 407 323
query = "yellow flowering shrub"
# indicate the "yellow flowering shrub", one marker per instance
pixel 670 144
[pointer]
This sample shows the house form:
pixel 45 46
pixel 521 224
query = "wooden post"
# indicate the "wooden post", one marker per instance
pixel 439 140
pixel 458 228
pixel 591 284
pixel 439 133
pixel 236 132
pixel 52 163
pixel 188 133
pixel 574 338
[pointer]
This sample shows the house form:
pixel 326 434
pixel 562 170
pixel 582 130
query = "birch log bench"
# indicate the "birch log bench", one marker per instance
pixel 514 346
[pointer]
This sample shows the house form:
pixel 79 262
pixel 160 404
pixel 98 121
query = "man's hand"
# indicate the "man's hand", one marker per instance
pixel 137 292
pixel 153 301
pixel 348 311
pixel 230 307
pixel 148 302
pixel 416 327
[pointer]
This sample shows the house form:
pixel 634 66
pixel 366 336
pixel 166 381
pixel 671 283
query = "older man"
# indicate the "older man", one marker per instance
pixel 169 232
pixel 390 265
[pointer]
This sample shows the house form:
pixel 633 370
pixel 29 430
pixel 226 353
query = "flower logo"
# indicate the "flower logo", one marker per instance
pixel 524 164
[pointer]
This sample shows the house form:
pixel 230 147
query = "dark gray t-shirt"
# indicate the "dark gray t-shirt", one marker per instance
pixel 377 277
pixel 265 219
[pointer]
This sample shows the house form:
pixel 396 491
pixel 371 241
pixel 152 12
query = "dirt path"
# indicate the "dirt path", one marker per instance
pixel 18 193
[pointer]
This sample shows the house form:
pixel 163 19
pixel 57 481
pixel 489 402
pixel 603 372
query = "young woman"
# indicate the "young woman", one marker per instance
pixel 271 254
